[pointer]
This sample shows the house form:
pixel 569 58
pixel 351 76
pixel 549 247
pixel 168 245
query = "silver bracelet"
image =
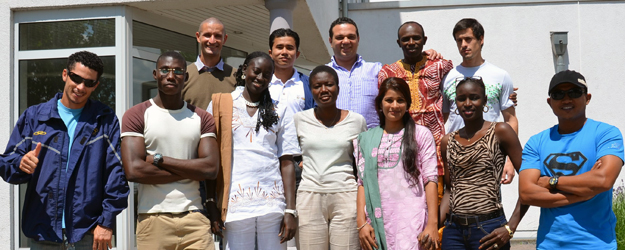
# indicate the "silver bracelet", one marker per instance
pixel 363 225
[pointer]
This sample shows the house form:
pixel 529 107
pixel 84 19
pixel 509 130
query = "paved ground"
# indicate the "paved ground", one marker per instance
pixel 516 245
pixel 523 245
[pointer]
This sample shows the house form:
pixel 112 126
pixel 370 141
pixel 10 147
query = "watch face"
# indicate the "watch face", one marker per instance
pixel 157 159
pixel 553 181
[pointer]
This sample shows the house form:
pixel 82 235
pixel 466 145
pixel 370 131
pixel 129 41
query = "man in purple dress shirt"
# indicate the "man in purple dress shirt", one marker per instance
pixel 358 80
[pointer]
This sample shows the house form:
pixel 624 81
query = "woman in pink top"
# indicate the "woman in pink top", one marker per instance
pixel 398 210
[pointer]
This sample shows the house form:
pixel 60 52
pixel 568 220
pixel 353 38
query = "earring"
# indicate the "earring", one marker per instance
pixel 487 109
pixel 242 77
pixel 456 112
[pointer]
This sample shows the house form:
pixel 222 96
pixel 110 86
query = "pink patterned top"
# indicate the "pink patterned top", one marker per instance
pixel 404 207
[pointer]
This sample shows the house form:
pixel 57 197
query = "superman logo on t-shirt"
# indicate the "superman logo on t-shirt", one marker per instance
pixel 565 163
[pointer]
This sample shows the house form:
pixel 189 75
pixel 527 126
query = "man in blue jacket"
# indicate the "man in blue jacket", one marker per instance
pixel 67 150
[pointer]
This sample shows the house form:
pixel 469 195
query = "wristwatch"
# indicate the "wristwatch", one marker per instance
pixel 158 158
pixel 553 181
pixel 291 211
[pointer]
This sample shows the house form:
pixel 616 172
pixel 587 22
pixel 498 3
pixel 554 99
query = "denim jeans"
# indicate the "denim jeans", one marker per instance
pixel 86 243
pixel 468 237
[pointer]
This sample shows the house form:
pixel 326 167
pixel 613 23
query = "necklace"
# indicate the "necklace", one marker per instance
pixel 466 135
pixel 251 104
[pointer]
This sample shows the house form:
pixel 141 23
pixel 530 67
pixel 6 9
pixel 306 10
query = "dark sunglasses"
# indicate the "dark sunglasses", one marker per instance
pixel 572 93
pixel 78 80
pixel 165 71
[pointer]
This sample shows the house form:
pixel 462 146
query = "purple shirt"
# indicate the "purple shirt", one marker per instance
pixel 358 89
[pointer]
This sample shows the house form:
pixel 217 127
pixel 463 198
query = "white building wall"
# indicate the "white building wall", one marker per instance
pixel 517 40
pixel 6 32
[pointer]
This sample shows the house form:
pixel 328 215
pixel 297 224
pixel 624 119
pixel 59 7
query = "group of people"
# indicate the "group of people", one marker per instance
pixel 387 155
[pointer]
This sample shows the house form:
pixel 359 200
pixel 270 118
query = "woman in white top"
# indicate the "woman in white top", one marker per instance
pixel 326 198
pixel 262 183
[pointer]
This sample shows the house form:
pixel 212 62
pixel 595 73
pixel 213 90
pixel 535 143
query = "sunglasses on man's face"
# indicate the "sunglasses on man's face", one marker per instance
pixel 572 93
pixel 177 71
pixel 78 80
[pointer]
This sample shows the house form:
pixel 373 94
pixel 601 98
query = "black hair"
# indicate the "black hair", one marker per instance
pixel 343 20
pixel 88 59
pixel 326 69
pixel 465 23
pixel 408 143
pixel 282 32
pixel 476 81
pixel 410 22
pixel 174 55
pixel 267 115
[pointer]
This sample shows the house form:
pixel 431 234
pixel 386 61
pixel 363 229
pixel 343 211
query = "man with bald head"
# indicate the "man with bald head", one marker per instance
pixel 427 99
pixel 209 74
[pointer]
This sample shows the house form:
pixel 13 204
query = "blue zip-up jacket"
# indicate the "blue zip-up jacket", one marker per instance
pixel 94 188
pixel 309 101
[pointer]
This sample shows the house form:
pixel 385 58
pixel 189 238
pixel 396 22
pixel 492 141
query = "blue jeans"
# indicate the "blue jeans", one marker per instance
pixel 468 237
pixel 86 243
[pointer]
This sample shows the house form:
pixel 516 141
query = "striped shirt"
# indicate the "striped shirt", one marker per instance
pixel 475 171
pixel 358 88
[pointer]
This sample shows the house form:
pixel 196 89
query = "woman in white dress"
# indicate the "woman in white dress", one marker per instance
pixel 260 186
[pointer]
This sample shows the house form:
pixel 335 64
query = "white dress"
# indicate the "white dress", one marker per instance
pixel 256 185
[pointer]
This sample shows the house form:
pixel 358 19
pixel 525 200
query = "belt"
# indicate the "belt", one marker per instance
pixel 191 211
pixel 185 212
pixel 465 220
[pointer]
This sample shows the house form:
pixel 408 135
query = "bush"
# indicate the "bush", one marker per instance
pixel 618 206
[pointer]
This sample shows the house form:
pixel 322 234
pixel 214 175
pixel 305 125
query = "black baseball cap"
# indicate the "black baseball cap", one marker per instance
pixel 568 76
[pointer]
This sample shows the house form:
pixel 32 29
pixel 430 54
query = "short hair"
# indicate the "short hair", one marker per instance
pixel 88 59
pixel 282 32
pixel 410 22
pixel 343 20
pixel 172 54
pixel 321 69
pixel 212 20
pixel 477 81
pixel 465 23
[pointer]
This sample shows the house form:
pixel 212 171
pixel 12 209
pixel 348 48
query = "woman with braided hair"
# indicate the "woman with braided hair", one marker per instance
pixel 258 187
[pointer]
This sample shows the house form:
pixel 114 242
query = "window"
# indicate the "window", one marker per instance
pixel 45 38
pixel 40 80
pixel 44 41
pixel 67 34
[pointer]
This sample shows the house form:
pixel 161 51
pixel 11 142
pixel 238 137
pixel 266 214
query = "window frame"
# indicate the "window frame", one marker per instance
pixel 119 51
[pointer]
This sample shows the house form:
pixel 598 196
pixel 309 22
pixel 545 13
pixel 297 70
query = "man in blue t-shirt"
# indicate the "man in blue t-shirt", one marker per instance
pixel 569 170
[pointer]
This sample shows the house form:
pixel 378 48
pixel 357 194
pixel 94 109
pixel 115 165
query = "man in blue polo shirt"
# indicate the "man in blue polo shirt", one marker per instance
pixel 569 171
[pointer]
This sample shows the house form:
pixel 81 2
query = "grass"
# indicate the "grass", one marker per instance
pixel 618 206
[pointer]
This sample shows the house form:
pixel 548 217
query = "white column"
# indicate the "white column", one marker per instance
pixel 280 13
